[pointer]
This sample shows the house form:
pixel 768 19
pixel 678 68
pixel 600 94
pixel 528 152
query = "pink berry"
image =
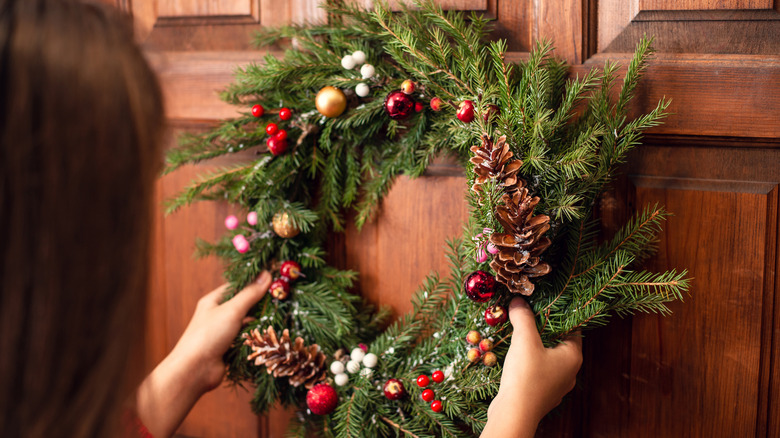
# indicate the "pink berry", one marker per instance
pixel 493 249
pixel 251 218
pixel 481 256
pixel 241 244
pixel 231 222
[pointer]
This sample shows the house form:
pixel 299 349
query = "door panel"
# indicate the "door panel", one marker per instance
pixel 707 370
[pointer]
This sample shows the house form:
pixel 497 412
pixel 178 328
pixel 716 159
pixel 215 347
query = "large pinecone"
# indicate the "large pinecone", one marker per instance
pixel 491 160
pixel 521 243
pixel 303 365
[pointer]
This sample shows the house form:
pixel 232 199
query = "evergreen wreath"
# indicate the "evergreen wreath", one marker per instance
pixel 538 150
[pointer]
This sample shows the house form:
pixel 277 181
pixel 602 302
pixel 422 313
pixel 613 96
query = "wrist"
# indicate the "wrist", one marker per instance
pixel 509 415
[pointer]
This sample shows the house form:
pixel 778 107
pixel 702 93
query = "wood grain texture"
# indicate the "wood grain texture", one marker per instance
pixel 714 30
pixel 181 281
pixel 739 98
pixel 406 239
pixel 204 8
pixel 707 356
pixel 698 5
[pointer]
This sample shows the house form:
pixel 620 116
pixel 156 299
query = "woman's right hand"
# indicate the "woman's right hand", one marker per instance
pixel 534 379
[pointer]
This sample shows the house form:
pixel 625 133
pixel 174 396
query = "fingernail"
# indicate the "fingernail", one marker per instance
pixel 265 275
pixel 521 302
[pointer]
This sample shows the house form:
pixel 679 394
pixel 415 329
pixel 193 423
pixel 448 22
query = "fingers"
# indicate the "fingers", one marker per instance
pixel 570 351
pixel 213 298
pixel 251 294
pixel 524 323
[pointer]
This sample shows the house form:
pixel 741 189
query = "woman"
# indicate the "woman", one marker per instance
pixel 81 125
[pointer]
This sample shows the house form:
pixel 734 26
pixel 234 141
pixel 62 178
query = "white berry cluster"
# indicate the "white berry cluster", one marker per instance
pixel 355 359
pixel 366 70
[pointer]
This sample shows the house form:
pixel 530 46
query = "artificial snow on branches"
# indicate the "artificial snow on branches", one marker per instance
pixel 538 148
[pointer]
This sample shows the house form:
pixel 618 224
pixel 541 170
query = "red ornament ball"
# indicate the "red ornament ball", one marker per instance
pixel 428 395
pixel 291 270
pixel 423 381
pixel 480 286
pixel 495 315
pixel 394 389
pixel 437 376
pixel 436 104
pixel 399 106
pixel 258 110
pixel 276 146
pixel 279 289
pixel 466 111
pixel 418 107
pixel 281 135
pixel 436 406
pixel 322 399
pixel 271 128
pixel 285 113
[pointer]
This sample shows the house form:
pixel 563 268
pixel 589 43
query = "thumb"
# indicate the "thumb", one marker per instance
pixel 250 295
pixel 524 323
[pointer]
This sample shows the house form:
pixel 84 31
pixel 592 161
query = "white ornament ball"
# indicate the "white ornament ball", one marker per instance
pixel 357 354
pixel 348 62
pixel 367 71
pixel 359 56
pixel 366 372
pixel 337 368
pixel 370 360
pixel 353 366
pixel 341 379
pixel 362 89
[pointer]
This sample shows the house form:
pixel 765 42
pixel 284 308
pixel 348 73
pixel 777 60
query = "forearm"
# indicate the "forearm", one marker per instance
pixel 166 396
pixel 507 418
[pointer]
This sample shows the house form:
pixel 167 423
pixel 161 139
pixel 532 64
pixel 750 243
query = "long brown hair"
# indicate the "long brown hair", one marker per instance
pixel 80 129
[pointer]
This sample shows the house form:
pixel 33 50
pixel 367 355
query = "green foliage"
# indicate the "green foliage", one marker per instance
pixel 570 133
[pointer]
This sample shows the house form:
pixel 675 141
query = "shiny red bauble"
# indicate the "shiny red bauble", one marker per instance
pixel 258 110
pixel 271 128
pixel 466 111
pixel 496 315
pixel 322 399
pixel 279 289
pixel 276 146
pixel 394 389
pixel 291 270
pixel 281 135
pixel 436 406
pixel 479 286
pixel 437 376
pixel 423 381
pixel 285 113
pixel 398 105
pixel 428 395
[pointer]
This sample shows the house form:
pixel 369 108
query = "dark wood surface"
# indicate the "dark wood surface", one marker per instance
pixel 707 370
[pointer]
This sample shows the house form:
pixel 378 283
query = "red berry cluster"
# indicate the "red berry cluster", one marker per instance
pixel 277 142
pixel 280 288
pixel 428 394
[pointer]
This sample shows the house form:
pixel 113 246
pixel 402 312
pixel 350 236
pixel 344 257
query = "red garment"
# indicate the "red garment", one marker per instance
pixel 134 428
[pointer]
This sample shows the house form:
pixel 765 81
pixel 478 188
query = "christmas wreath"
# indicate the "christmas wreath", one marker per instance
pixel 374 94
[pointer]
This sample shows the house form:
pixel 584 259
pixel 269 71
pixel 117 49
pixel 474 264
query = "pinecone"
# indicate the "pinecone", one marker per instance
pixel 491 160
pixel 521 244
pixel 303 365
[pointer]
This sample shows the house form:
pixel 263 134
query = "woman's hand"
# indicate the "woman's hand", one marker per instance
pixel 195 365
pixel 534 379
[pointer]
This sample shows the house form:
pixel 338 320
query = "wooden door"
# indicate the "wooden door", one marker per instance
pixel 709 369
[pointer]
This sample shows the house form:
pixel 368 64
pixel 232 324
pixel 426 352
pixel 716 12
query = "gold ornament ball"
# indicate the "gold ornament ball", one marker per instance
pixel 331 101
pixel 283 226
